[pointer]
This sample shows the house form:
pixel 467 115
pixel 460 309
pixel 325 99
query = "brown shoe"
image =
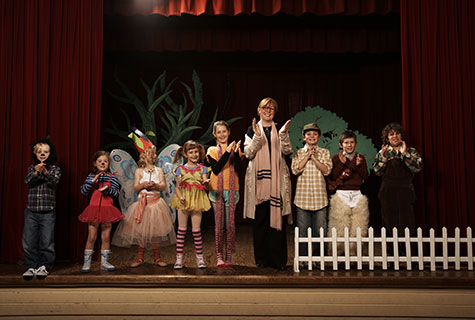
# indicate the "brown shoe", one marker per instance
pixel 160 263
pixel 137 263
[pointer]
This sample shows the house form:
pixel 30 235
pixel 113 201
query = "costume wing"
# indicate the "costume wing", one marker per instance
pixel 164 161
pixel 124 166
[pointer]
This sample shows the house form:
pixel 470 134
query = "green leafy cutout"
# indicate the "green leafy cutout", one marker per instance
pixel 331 126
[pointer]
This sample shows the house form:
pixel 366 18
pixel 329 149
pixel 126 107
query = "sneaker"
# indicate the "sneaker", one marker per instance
pixel 41 272
pixel 160 263
pixel 220 262
pixel 29 274
pixel 200 261
pixel 179 262
pixel 137 263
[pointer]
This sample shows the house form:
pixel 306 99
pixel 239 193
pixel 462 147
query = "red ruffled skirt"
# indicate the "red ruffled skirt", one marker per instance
pixel 101 210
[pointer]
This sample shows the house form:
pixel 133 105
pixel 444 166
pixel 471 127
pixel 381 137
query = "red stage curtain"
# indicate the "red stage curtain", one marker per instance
pixel 235 7
pixel 438 68
pixel 280 32
pixel 50 84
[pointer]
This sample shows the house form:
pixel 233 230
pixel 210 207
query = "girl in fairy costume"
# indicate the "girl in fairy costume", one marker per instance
pixel 190 198
pixel 147 222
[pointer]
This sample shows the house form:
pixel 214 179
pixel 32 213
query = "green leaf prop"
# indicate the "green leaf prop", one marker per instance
pixel 177 122
pixel 332 126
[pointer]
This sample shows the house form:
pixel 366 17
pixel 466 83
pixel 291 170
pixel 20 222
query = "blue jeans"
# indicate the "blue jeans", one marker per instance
pixel 38 239
pixel 314 219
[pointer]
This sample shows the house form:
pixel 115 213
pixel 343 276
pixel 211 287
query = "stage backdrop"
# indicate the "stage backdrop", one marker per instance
pixel 349 64
pixel 50 84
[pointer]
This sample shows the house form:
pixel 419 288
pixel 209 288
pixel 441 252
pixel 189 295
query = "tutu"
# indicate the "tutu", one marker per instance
pixel 101 214
pixel 100 210
pixel 155 226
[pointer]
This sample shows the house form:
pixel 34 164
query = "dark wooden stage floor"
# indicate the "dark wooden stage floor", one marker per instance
pixel 242 274
pixel 67 275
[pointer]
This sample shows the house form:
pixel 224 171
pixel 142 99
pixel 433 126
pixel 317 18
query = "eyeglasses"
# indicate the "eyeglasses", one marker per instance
pixel 268 109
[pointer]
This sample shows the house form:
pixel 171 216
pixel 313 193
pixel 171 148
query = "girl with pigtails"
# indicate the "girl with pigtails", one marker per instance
pixel 190 198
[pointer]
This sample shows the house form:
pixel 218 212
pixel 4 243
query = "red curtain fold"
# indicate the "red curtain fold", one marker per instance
pixel 336 34
pixel 50 84
pixel 235 7
pixel 438 68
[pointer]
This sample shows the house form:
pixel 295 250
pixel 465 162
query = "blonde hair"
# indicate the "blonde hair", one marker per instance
pixel 39 145
pixel 187 146
pixel 268 102
pixel 148 154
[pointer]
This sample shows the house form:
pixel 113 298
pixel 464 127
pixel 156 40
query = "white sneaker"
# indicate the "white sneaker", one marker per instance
pixel 29 274
pixel 200 261
pixel 179 262
pixel 41 273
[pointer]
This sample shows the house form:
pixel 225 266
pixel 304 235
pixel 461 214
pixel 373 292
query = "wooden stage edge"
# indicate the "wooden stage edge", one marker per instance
pixel 68 275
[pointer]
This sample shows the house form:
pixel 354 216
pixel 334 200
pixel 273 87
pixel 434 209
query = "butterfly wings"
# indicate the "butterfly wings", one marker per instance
pixel 124 166
pixel 164 161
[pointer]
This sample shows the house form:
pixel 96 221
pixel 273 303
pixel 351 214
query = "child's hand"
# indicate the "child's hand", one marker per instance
pixel 205 181
pixel 103 188
pixel 359 159
pixel 182 200
pixel 236 149
pixel 311 154
pixel 149 185
pixel 40 167
pixel 384 150
pixel 97 177
pixel 342 156
pixel 256 128
pixel 231 147
pixel 403 147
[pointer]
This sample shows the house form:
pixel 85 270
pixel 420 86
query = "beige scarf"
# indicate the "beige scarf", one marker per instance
pixel 268 176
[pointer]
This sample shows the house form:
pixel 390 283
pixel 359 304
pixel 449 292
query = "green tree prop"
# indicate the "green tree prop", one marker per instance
pixel 180 121
pixel 332 126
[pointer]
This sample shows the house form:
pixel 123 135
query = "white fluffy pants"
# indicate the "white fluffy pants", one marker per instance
pixel 341 216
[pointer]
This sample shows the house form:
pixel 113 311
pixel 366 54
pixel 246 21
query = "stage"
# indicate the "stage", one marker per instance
pixel 238 292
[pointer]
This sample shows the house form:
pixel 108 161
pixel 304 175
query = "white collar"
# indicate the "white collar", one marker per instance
pixel 306 147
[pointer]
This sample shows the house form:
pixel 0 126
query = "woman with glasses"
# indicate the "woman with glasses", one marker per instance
pixel 267 185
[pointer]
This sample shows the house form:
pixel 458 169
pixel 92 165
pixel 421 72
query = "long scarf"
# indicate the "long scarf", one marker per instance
pixel 268 176
pixel 230 228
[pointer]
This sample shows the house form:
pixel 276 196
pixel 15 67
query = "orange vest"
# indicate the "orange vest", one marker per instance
pixel 213 152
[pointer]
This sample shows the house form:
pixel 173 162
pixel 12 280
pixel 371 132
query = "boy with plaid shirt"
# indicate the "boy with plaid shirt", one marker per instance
pixel 311 163
pixel 40 215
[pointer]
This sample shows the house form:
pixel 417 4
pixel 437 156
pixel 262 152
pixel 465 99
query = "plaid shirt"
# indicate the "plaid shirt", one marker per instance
pixel 42 188
pixel 412 160
pixel 311 191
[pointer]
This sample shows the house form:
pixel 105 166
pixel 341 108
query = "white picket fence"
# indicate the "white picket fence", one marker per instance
pixel 434 244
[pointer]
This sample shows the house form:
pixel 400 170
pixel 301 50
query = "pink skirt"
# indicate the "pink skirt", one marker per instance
pixel 155 227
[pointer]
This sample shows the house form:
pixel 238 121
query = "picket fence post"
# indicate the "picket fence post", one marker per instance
pixel 406 256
